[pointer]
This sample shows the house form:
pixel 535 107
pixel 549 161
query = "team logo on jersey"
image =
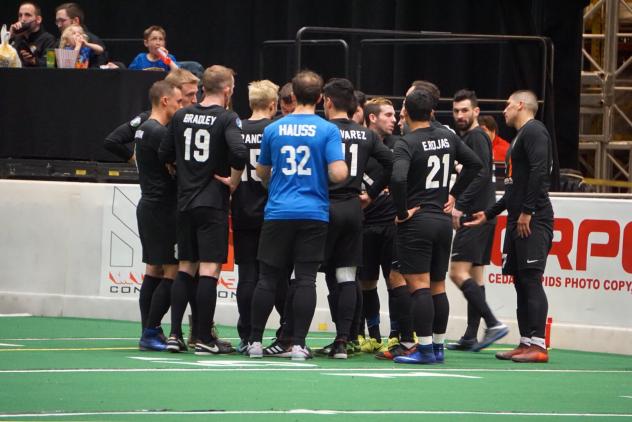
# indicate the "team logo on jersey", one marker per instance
pixel 135 122
pixel 238 122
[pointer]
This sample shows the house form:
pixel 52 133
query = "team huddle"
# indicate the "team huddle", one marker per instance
pixel 340 195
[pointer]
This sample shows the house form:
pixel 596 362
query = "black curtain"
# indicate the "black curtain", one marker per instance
pixel 231 33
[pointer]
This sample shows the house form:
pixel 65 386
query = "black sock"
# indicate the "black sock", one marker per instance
pixel 537 302
pixel 476 297
pixel 280 296
pixel 192 299
pixel 393 321
pixel 304 303
pixel 473 318
pixel 522 311
pixel 179 298
pixel 402 305
pixel 346 309
pixel 263 299
pixel 160 302
pixel 357 315
pixel 371 302
pixel 422 311
pixel 206 301
pixel 441 313
pixel 150 283
pixel 248 273
pixel 332 297
pixel 284 333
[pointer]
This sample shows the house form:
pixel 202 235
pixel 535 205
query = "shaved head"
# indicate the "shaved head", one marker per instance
pixel 528 98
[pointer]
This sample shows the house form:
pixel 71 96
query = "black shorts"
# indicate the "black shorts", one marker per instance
pixel 423 245
pixel 530 252
pixel 284 242
pixel 246 243
pixel 203 235
pixel 344 234
pixel 157 231
pixel 377 251
pixel 473 244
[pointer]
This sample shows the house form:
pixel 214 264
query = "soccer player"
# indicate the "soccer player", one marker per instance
pixel 298 154
pixel 248 202
pixel 358 115
pixel 343 252
pixel 205 142
pixel 472 246
pixel 529 223
pixel 420 188
pixel 156 214
pixel 378 228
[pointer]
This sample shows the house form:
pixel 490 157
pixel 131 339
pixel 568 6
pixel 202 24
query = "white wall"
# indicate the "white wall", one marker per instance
pixel 72 249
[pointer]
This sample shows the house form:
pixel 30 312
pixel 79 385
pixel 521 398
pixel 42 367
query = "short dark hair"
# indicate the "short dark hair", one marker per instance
pixel 38 9
pixel 340 92
pixel 419 105
pixel 466 94
pixel 285 93
pixel 489 122
pixel 158 90
pixel 430 87
pixel 360 97
pixel 307 87
pixel 73 10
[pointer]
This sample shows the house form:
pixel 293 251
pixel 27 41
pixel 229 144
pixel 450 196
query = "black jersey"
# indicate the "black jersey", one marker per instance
pixel 116 142
pixel 529 162
pixel 381 210
pixel 203 142
pixel 424 162
pixel 249 199
pixel 481 193
pixel 358 145
pixel 156 184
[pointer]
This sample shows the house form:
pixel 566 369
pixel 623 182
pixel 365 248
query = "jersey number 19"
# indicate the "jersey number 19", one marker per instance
pixel 202 140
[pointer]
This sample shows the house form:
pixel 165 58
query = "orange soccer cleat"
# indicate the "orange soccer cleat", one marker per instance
pixel 511 353
pixel 534 354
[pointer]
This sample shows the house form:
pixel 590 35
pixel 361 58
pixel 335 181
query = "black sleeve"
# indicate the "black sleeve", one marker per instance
pixel 471 167
pixel 401 164
pixel 384 156
pixel 167 149
pixel 48 43
pixel 238 150
pixel 117 140
pixel 497 208
pixel 536 146
pixel 482 148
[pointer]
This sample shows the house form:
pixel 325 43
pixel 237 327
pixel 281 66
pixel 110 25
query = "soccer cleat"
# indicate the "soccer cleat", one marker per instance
pixel 176 344
pixel 255 350
pixel 152 340
pixel 424 355
pixel 355 347
pixel 491 335
pixel 360 342
pixel 213 347
pixel 438 352
pixel 534 354
pixel 242 347
pixel 324 351
pixel 215 336
pixel 277 350
pixel 397 350
pixel 300 353
pixel 392 342
pixel 371 345
pixel 463 344
pixel 511 353
pixel 339 350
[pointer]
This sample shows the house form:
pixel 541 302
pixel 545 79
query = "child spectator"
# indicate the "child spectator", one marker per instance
pixel 158 58
pixel 75 38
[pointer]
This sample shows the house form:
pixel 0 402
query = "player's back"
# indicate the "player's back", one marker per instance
pixel 156 184
pixel 299 148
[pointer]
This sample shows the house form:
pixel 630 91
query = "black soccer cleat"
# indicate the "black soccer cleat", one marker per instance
pixel 213 347
pixel 464 345
pixel 339 350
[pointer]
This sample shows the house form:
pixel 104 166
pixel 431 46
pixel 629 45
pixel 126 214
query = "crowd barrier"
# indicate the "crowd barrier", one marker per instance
pixel 72 249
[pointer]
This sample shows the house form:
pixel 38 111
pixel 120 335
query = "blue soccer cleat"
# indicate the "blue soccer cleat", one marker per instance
pixel 438 352
pixel 152 339
pixel 423 356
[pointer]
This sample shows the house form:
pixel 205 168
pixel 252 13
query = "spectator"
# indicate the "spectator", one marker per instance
pixel 74 38
pixel 287 102
pixel 29 37
pixel 499 145
pixel 71 14
pixel 157 57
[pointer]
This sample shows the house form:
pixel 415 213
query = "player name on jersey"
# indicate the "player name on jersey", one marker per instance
pixel 432 145
pixel 252 138
pixel 297 130
pixel 352 134
pixel 199 119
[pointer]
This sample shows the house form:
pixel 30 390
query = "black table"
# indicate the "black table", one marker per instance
pixel 66 113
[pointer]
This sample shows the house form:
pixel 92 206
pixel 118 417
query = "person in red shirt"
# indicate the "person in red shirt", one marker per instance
pixel 499 145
